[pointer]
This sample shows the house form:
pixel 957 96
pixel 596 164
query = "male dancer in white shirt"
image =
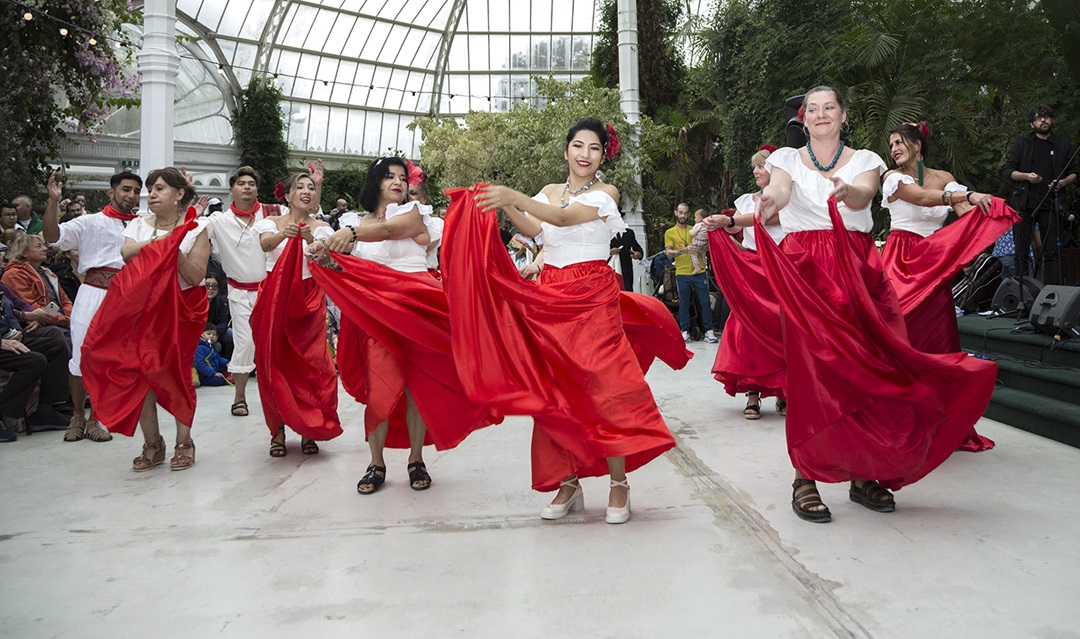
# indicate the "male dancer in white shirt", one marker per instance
pixel 244 262
pixel 98 239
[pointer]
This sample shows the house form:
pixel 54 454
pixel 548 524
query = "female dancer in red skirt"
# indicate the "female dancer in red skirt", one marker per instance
pixel 751 355
pixel 394 346
pixel 139 354
pixel 921 258
pixel 866 407
pixel 297 379
pixel 559 349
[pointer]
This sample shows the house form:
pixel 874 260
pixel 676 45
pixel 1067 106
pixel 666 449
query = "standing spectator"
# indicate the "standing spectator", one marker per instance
pixel 1035 163
pixel 626 246
pixel 341 207
pixel 27 219
pixel 678 246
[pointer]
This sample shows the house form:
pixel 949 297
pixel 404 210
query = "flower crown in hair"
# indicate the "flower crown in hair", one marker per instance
pixel 279 192
pixel 613 144
pixel 767 147
pixel 415 174
pixel 924 130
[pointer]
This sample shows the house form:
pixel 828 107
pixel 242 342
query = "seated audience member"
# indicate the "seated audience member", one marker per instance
pixel 31 359
pixel 212 368
pixel 26 275
pixel 9 218
pixel 219 316
pixel 26 217
pixel 66 266
pixel 72 209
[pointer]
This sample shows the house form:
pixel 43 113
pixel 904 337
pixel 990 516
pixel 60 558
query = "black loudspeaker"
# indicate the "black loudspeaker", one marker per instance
pixel 1007 299
pixel 1057 310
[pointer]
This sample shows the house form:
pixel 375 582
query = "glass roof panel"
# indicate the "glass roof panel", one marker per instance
pixel 354 73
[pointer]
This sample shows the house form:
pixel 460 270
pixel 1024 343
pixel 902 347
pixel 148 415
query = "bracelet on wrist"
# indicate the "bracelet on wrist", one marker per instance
pixel 731 222
pixel 353 231
pixel 946 198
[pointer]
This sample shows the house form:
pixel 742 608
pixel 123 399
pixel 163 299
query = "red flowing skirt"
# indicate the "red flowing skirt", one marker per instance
pixel 751 353
pixel 921 269
pixel 144 338
pixel 863 404
pixel 395 336
pixel 557 349
pixel 296 374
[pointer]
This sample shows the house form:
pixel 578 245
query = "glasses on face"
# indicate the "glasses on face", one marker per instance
pixel 213 286
pixel 1046 118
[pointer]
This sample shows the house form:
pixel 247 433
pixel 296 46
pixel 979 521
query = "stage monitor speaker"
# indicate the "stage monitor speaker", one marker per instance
pixel 1057 310
pixel 1008 300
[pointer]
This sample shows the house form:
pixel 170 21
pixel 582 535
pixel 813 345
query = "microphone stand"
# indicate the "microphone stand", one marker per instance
pixel 1055 223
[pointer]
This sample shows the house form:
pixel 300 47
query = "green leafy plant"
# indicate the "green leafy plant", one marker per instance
pixel 259 128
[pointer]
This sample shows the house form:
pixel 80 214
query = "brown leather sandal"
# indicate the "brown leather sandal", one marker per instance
pixel 152 455
pixel 181 460
pixel 872 496
pixel 802 501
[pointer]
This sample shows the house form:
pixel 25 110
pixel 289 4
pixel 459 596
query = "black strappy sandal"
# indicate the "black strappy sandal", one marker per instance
pixel 872 496
pixel 309 447
pixel 418 473
pixel 372 478
pixel 277 449
pixel 803 501
pixel 752 411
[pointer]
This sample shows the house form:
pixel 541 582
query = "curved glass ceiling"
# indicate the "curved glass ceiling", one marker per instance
pixel 355 73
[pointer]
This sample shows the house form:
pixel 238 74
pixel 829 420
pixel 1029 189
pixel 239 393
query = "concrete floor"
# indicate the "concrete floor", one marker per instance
pixel 243 545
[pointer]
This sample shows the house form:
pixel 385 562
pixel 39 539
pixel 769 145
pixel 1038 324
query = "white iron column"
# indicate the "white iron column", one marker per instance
pixel 158 64
pixel 631 102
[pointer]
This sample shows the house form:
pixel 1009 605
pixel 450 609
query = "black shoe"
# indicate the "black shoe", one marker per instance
pixel 47 420
pixel 7 433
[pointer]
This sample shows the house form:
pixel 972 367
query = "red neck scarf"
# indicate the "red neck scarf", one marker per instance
pixel 112 211
pixel 237 212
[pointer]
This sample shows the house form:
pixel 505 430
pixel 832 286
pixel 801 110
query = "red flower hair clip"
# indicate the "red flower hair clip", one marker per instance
pixel 924 130
pixel 802 114
pixel 767 147
pixel 613 144
pixel 279 192
pixel 416 175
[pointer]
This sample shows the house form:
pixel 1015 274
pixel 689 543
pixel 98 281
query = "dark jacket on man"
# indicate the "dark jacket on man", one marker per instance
pixel 1019 159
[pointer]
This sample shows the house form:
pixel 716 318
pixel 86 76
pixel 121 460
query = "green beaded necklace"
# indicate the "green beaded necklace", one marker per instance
pixel 836 158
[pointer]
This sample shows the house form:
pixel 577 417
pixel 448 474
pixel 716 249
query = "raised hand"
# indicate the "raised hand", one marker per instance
pixel 56 188
pixel 316 171
pixel 201 204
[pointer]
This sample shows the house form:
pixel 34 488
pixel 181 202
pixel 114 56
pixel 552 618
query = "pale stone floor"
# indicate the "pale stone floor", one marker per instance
pixel 243 545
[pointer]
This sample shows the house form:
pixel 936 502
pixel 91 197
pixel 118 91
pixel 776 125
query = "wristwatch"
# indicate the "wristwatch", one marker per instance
pixel 731 222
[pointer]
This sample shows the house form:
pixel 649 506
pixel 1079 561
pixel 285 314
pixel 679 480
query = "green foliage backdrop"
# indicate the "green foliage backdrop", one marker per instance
pixel 51 83
pixel 259 128
pixel 523 148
